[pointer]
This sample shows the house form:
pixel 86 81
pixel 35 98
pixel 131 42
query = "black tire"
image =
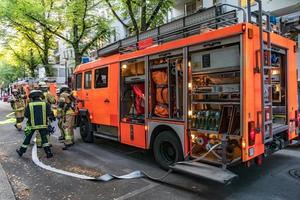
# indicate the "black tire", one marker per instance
pixel 167 149
pixel 85 131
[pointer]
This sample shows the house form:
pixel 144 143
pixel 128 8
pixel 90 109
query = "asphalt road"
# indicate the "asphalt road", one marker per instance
pixel 267 182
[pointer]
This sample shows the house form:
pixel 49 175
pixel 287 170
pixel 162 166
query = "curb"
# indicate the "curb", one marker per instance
pixel 6 192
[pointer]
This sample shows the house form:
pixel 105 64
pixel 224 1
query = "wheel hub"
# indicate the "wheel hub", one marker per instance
pixel 168 152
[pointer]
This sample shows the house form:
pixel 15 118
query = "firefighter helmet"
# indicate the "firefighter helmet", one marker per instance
pixel 15 91
pixel 43 84
pixel 64 88
pixel 35 94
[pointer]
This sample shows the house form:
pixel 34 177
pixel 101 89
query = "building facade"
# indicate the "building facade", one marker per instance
pixel 287 10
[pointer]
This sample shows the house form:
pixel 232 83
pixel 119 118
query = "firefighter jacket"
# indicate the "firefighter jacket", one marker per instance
pixel 37 113
pixel 66 103
pixel 48 98
pixel 18 104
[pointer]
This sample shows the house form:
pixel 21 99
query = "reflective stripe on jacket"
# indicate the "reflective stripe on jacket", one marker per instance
pixel 40 121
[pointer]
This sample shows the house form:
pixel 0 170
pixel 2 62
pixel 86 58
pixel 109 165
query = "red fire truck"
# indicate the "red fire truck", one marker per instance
pixel 207 89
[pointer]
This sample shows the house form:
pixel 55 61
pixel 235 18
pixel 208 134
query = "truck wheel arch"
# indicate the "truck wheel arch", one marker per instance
pixel 166 136
pixel 84 119
pixel 160 128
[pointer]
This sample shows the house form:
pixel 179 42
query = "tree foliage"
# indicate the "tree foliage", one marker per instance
pixel 77 23
pixel 143 14
pixel 20 53
pixel 15 12
pixel 9 74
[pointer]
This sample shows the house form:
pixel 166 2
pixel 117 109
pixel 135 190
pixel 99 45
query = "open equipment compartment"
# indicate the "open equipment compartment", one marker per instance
pixel 133 91
pixel 214 94
pixel 279 90
pixel 166 85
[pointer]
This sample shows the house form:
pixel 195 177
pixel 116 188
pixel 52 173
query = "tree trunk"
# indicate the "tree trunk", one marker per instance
pixel 78 55
pixel 143 16
pixel 46 62
pixel 45 58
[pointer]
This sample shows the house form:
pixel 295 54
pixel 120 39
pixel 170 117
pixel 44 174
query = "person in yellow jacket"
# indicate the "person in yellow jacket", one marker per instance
pixel 66 103
pixel 50 99
pixel 39 115
pixel 18 105
pixel 60 117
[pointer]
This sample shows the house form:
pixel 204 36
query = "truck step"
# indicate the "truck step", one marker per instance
pixel 206 171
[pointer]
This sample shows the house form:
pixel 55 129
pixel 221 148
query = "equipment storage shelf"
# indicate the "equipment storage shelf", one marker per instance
pixel 166 86
pixel 133 92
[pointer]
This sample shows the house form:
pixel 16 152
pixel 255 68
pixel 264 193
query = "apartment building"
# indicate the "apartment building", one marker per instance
pixel 286 11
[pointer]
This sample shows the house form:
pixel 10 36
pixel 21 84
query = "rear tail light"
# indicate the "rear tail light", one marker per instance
pixel 297 118
pixel 251 133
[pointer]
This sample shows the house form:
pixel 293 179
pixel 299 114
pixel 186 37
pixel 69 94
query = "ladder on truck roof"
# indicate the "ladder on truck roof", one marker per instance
pixel 266 69
pixel 222 174
pixel 210 18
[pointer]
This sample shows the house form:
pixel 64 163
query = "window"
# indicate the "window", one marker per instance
pixel 101 77
pixel 78 81
pixel 88 80
pixel 190 8
pixel 62 73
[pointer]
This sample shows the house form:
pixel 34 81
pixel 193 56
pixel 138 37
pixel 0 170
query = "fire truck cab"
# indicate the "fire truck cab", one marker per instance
pixel 220 95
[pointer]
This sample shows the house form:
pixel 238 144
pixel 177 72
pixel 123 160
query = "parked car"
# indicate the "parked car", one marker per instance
pixel 5 98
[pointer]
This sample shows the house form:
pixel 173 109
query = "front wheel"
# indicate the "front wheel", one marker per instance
pixel 167 149
pixel 85 131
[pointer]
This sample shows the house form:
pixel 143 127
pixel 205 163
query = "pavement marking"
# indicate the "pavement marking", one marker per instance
pixel 8 121
pixel 9 142
pixel 136 192
pixel 10 115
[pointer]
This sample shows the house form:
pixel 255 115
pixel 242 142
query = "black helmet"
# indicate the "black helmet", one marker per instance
pixel 35 94
pixel 15 91
pixel 64 88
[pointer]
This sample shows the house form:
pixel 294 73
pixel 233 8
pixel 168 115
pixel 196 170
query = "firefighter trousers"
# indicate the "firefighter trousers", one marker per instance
pixel 43 133
pixel 19 121
pixel 60 126
pixel 68 126
pixel 38 139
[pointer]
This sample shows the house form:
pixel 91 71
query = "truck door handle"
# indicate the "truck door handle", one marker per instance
pixel 106 101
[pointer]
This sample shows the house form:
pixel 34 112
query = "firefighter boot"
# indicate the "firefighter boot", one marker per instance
pixel 21 151
pixel 48 152
pixel 66 147
pixel 61 138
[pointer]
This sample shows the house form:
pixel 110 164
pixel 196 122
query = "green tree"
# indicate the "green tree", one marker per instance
pixel 77 23
pixel 20 53
pixel 15 12
pixel 143 14
pixel 9 73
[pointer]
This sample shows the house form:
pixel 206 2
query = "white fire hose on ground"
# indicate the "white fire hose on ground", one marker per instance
pixel 104 178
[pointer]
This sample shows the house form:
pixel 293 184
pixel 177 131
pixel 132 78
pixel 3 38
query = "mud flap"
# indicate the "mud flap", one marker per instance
pixel 206 171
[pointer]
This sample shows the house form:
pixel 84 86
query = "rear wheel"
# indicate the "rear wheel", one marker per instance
pixel 85 131
pixel 167 149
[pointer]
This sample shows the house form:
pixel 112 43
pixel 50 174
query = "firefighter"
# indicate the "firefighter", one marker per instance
pixel 47 96
pixel 66 103
pixel 17 102
pixel 60 118
pixel 50 99
pixel 38 113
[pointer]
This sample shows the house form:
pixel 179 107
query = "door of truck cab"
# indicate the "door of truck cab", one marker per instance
pixel 78 88
pixel 105 95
